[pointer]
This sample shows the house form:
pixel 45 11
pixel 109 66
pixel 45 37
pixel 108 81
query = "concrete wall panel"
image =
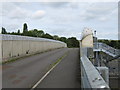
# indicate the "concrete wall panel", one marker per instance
pixel 17 48
pixel 6 49
pixel 25 47
pixel 14 46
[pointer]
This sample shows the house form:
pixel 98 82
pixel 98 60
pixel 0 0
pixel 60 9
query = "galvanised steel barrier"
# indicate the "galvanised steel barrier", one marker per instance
pixel 90 76
pixel 104 47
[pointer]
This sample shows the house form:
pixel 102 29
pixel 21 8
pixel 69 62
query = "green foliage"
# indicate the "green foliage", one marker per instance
pixel 25 29
pixel 4 31
pixel 55 37
pixel 35 33
pixel 18 31
pixel 72 42
pixel 63 39
pixel 112 43
pixel 47 36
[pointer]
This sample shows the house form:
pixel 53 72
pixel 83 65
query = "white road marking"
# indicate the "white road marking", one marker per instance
pixel 46 74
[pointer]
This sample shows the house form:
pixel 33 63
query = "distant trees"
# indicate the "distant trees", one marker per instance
pixel 71 42
pixel 35 33
pixel 112 43
pixel 4 31
pixel 25 28
pixel 18 32
pixel 47 36
pixel 56 37
pixel 63 39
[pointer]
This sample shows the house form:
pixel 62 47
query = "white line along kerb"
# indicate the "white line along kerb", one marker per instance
pixel 44 76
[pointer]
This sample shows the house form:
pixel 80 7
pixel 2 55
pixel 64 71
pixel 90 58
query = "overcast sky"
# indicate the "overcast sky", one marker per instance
pixel 62 18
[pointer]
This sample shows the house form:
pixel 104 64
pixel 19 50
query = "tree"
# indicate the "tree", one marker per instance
pixel 55 37
pixel 4 31
pixel 18 31
pixel 25 28
pixel 118 44
pixel 35 33
pixel 47 36
pixel 72 42
pixel 63 39
pixel 112 43
pixel 13 33
pixel 38 33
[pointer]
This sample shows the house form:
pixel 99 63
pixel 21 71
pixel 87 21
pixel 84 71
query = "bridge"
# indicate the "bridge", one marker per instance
pixel 106 48
pixel 34 63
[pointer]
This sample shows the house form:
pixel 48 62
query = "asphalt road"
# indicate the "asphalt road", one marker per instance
pixel 26 72
pixel 65 74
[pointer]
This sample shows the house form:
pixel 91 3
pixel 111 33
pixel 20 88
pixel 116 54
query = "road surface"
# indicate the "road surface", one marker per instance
pixel 25 73
pixel 65 74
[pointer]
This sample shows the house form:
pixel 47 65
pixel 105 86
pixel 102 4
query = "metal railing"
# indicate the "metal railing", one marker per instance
pixel 90 76
pixel 104 47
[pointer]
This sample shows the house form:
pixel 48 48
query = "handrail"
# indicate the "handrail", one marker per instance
pixel 107 48
pixel 90 77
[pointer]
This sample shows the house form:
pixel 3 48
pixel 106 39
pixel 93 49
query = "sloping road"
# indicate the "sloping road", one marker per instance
pixel 65 74
pixel 26 72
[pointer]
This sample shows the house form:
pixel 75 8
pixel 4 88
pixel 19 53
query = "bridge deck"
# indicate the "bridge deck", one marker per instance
pixel 66 73
pixel 26 72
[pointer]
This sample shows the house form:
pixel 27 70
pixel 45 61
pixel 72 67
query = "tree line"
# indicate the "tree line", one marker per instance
pixel 71 42
pixel 112 43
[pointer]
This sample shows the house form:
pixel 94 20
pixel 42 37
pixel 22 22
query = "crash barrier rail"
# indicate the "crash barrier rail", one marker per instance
pixel 90 76
pixel 104 47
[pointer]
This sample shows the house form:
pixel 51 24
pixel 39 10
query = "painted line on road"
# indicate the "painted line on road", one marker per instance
pixel 59 60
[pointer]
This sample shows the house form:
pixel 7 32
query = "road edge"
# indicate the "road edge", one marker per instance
pixel 46 74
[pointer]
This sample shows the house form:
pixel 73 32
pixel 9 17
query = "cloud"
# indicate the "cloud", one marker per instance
pixel 105 35
pixel 59 0
pixel 13 11
pixel 55 4
pixel 98 11
pixel 103 18
pixel 7 7
pixel 13 26
pixel 19 13
pixel 38 14
pixel 64 19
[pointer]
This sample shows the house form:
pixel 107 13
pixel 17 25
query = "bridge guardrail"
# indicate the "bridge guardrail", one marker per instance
pixel 106 47
pixel 90 77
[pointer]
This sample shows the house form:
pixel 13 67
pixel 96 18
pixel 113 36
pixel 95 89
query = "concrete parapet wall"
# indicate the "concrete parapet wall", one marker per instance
pixel 15 46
